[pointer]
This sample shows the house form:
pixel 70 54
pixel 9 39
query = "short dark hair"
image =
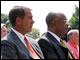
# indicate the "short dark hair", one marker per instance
pixel 16 11
pixel 50 17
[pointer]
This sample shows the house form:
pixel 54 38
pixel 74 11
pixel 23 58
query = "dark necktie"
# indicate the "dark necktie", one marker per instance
pixel 64 45
pixel 31 49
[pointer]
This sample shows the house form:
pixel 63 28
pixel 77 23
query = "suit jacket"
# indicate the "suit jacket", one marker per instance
pixel 51 48
pixel 13 48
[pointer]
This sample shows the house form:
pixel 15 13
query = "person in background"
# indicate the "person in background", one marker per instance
pixel 50 42
pixel 64 37
pixel 17 45
pixel 73 42
pixel 3 30
pixel 41 36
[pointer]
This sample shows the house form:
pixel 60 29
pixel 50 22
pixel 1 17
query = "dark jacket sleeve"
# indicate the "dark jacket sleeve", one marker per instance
pixel 47 49
pixel 7 50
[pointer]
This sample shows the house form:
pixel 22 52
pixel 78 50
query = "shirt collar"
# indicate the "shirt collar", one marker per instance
pixel 18 34
pixel 57 38
pixel 21 37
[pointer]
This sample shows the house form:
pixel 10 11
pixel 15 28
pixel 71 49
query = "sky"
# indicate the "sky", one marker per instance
pixel 40 9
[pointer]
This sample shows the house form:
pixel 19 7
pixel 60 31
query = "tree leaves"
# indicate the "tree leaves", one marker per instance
pixel 74 21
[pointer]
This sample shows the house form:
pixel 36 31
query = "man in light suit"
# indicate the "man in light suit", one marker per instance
pixel 50 42
pixel 13 45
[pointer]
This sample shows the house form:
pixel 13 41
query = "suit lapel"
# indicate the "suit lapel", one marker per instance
pixel 69 49
pixel 19 43
pixel 34 47
pixel 57 45
pixel 52 39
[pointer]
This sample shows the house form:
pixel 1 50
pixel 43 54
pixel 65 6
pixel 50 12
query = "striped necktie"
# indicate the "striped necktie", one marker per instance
pixel 64 45
pixel 31 49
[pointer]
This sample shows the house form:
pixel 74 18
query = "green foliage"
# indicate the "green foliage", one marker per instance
pixel 4 19
pixel 74 21
pixel 35 33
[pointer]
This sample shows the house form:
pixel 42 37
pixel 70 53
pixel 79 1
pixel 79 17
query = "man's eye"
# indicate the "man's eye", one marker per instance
pixel 66 22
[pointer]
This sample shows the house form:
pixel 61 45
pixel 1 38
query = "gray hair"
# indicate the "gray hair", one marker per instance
pixel 71 32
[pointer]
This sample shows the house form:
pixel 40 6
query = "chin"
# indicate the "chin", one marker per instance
pixel 64 33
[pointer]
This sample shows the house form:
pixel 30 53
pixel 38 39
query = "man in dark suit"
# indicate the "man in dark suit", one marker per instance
pixel 13 46
pixel 50 42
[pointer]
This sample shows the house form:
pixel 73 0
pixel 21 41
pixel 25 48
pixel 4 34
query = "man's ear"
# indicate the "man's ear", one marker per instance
pixel 18 21
pixel 53 23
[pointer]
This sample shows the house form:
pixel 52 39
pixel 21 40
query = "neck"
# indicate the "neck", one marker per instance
pixel 53 31
pixel 19 30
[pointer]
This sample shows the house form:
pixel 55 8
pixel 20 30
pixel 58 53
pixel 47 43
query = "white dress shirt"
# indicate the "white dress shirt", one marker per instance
pixel 21 37
pixel 57 38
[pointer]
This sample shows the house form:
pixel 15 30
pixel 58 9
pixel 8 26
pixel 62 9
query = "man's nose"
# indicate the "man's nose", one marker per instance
pixel 67 24
pixel 33 21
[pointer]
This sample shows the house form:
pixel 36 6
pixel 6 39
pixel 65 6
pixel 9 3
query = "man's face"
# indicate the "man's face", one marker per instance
pixel 3 32
pixel 27 22
pixel 61 25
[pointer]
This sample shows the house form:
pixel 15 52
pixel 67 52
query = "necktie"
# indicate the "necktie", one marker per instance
pixel 31 49
pixel 64 45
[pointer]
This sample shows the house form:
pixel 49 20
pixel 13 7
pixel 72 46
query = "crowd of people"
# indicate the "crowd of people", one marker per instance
pixel 17 45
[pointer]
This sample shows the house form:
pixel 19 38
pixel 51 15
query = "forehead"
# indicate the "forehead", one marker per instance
pixel 28 11
pixel 3 28
pixel 76 33
pixel 61 17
